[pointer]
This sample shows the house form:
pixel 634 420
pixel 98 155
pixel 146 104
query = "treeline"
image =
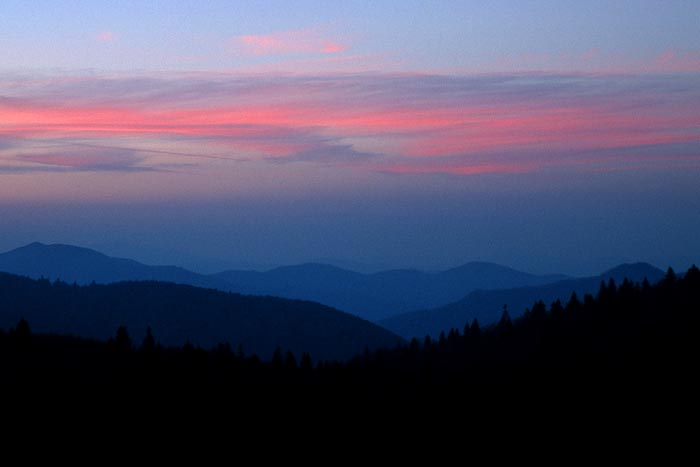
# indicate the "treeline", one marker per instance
pixel 629 337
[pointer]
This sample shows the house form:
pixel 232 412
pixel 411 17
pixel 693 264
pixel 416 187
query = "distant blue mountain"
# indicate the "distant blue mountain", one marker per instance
pixel 379 295
pixel 370 296
pixel 486 305
pixel 82 265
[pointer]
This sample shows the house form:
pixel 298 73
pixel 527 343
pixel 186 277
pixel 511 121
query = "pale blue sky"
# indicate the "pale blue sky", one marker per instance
pixel 407 35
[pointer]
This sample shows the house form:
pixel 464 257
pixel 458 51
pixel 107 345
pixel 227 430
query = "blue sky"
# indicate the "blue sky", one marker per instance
pixel 408 36
pixel 551 136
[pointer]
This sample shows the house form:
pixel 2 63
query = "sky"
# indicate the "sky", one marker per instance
pixel 551 136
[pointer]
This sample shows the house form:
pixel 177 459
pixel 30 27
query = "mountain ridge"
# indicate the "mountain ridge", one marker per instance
pixel 179 313
pixel 84 265
pixel 370 296
pixel 381 294
pixel 486 305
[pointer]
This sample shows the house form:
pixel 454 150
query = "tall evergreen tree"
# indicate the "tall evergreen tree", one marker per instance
pixel 475 329
pixel 122 339
pixel 149 342
pixel 573 305
pixel 505 323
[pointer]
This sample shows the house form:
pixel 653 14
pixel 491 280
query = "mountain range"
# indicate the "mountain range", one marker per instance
pixel 445 300
pixel 369 296
pixel 181 313
pixel 487 305
pixel 379 295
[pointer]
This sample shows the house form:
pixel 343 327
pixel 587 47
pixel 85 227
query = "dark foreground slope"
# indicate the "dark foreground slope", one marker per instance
pixel 628 352
pixel 486 305
pixel 180 313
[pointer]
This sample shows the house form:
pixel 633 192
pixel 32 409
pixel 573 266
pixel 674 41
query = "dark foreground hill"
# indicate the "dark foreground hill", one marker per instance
pixel 486 305
pixel 180 313
pixel 627 355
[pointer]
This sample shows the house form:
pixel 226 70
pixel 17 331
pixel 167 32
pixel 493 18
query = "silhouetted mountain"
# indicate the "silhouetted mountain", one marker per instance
pixel 370 296
pixel 486 305
pixel 82 265
pixel 376 296
pixel 180 313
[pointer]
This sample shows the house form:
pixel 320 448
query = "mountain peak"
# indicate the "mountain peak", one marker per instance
pixel 52 246
pixel 310 265
pixel 312 268
pixel 478 266
pixel 32 246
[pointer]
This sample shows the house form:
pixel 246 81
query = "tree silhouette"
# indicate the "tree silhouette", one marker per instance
pixel 305 364
pixel 149 343
pixel 475 329
pixel 556 310
pixel 573 305
pixel 692 277
pixel 290 362
pixel 670 279
pixel 277 360
pixel 22 330
pixel 505 324
pixel 122 340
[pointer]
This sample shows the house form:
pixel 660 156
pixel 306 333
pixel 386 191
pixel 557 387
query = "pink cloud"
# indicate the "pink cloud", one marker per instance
pixel 325 63
pixel 86 159
pixel 333 47
pixel 303 41
pixel 591 54
pixel 263 45
pixel 676 61
pixel 388 123
pixel 595 60
pixel 456 168
pixel 106 36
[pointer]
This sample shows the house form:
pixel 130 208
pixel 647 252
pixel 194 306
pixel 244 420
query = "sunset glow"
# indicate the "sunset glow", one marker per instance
pixel 409 131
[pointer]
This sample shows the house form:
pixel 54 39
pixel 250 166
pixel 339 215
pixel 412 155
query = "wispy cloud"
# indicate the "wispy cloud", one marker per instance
pixel 106 37
pixel 5 143
pixel 333 47
pixel 328 154
pixel 80 158
pixel 462 125
pixel 596 60
pixel 302 41
pixel 672 60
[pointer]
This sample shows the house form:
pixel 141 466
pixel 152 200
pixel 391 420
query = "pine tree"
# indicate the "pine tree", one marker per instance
pixel 277 360
pixel 290 362
pixel 22 330
pixel 556 310
pixel 305 364
pixel 149 342
pixel 505 324
pixel 475 329
pixel 122 339
pixel 573 305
